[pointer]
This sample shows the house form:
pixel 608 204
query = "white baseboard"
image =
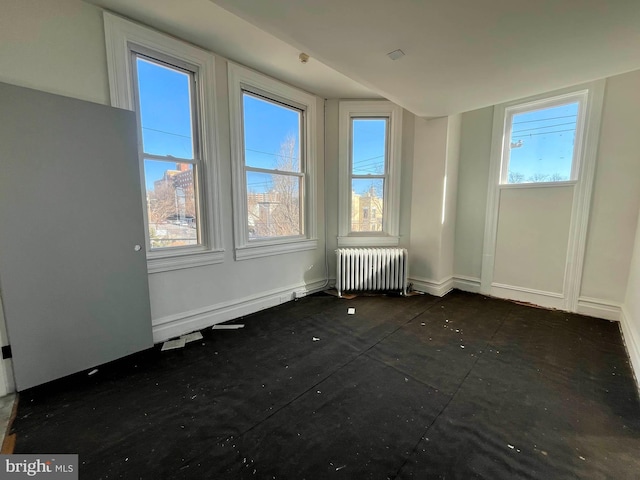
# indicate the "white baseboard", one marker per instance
pixel 432 287
pixel 595 307
pixel 631 337
pixel 172 326
pixel 466 284
pixel 541 298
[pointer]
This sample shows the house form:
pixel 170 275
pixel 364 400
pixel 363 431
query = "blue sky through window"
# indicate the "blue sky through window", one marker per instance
pixel 542 144
pixel 268 127
pixel 368 152
pixel 165 114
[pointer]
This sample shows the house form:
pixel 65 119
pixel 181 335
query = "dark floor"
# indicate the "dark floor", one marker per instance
pixel 418 387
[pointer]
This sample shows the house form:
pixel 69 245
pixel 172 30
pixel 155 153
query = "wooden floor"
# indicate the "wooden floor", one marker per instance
pixel 417 387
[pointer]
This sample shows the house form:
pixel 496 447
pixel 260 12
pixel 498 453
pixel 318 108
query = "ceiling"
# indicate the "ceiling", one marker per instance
pixel 460 54
pixel 209 26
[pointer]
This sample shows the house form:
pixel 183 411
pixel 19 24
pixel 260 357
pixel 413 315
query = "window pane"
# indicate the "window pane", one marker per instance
pixel 171 204
pixel 368 148
pixel 165 109
pixel 273 205
pixel 367 198
pixel 271 134
pixel 542 144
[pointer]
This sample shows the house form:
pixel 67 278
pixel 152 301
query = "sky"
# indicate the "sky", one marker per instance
pixel 368 152
pixel 165 112
pixel 266 127
pixel 542 142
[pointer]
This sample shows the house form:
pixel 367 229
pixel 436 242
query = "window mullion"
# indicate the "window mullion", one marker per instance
pixel 364 177
pixel 273 171
pixel 169 158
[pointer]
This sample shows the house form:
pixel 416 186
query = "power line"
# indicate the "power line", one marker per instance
pixel 545 126
pixel 367 159
pixel 268 153
pixel 544 119
pixel 167 133
pixel 366 166
pixel 542 133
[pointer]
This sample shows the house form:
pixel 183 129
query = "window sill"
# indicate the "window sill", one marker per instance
pixel 264 250
pixel 368 241
pixel 189 259
pixel 564 183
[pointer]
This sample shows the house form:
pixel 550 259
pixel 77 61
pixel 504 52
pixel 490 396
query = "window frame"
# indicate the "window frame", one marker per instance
pixel 580 97
pixel 195 162
pixel 241 80
pixel 123 39
pixel 349 110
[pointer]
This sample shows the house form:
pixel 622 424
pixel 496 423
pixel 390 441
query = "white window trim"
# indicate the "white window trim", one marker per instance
pixel 240 78
pixel 391 220
pixel 581 97
pixel 121 37
pixel 583 188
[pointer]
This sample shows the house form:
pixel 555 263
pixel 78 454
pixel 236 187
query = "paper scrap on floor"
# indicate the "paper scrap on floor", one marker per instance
pixel 192 337
pixel 227 327
pixel 171 344
pixel 351 311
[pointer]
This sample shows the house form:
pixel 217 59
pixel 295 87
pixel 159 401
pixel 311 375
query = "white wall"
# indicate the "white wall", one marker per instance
pixel 630 320
pixel 59 47
pixel 614 207
pixel 616 193
pixel 532 237
pixel 473 177
pixel 433 203
pixel 331 175
pixel 56 46
pixel 406 183
pixel 448 210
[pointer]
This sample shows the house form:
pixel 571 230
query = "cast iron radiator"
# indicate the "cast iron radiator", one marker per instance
pixel 367 269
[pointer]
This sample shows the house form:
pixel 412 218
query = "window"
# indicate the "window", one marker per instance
pixel 370 139
pixel 169 84
pixel 169 151
pixel 542 140
pixel 273 168
pixel 272 128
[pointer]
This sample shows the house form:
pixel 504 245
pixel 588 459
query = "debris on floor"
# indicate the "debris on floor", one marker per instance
pixel 315 339
pixel 192 337
pixel 173 344
pixel 93 372
pixel 351 311
pixel 227 326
